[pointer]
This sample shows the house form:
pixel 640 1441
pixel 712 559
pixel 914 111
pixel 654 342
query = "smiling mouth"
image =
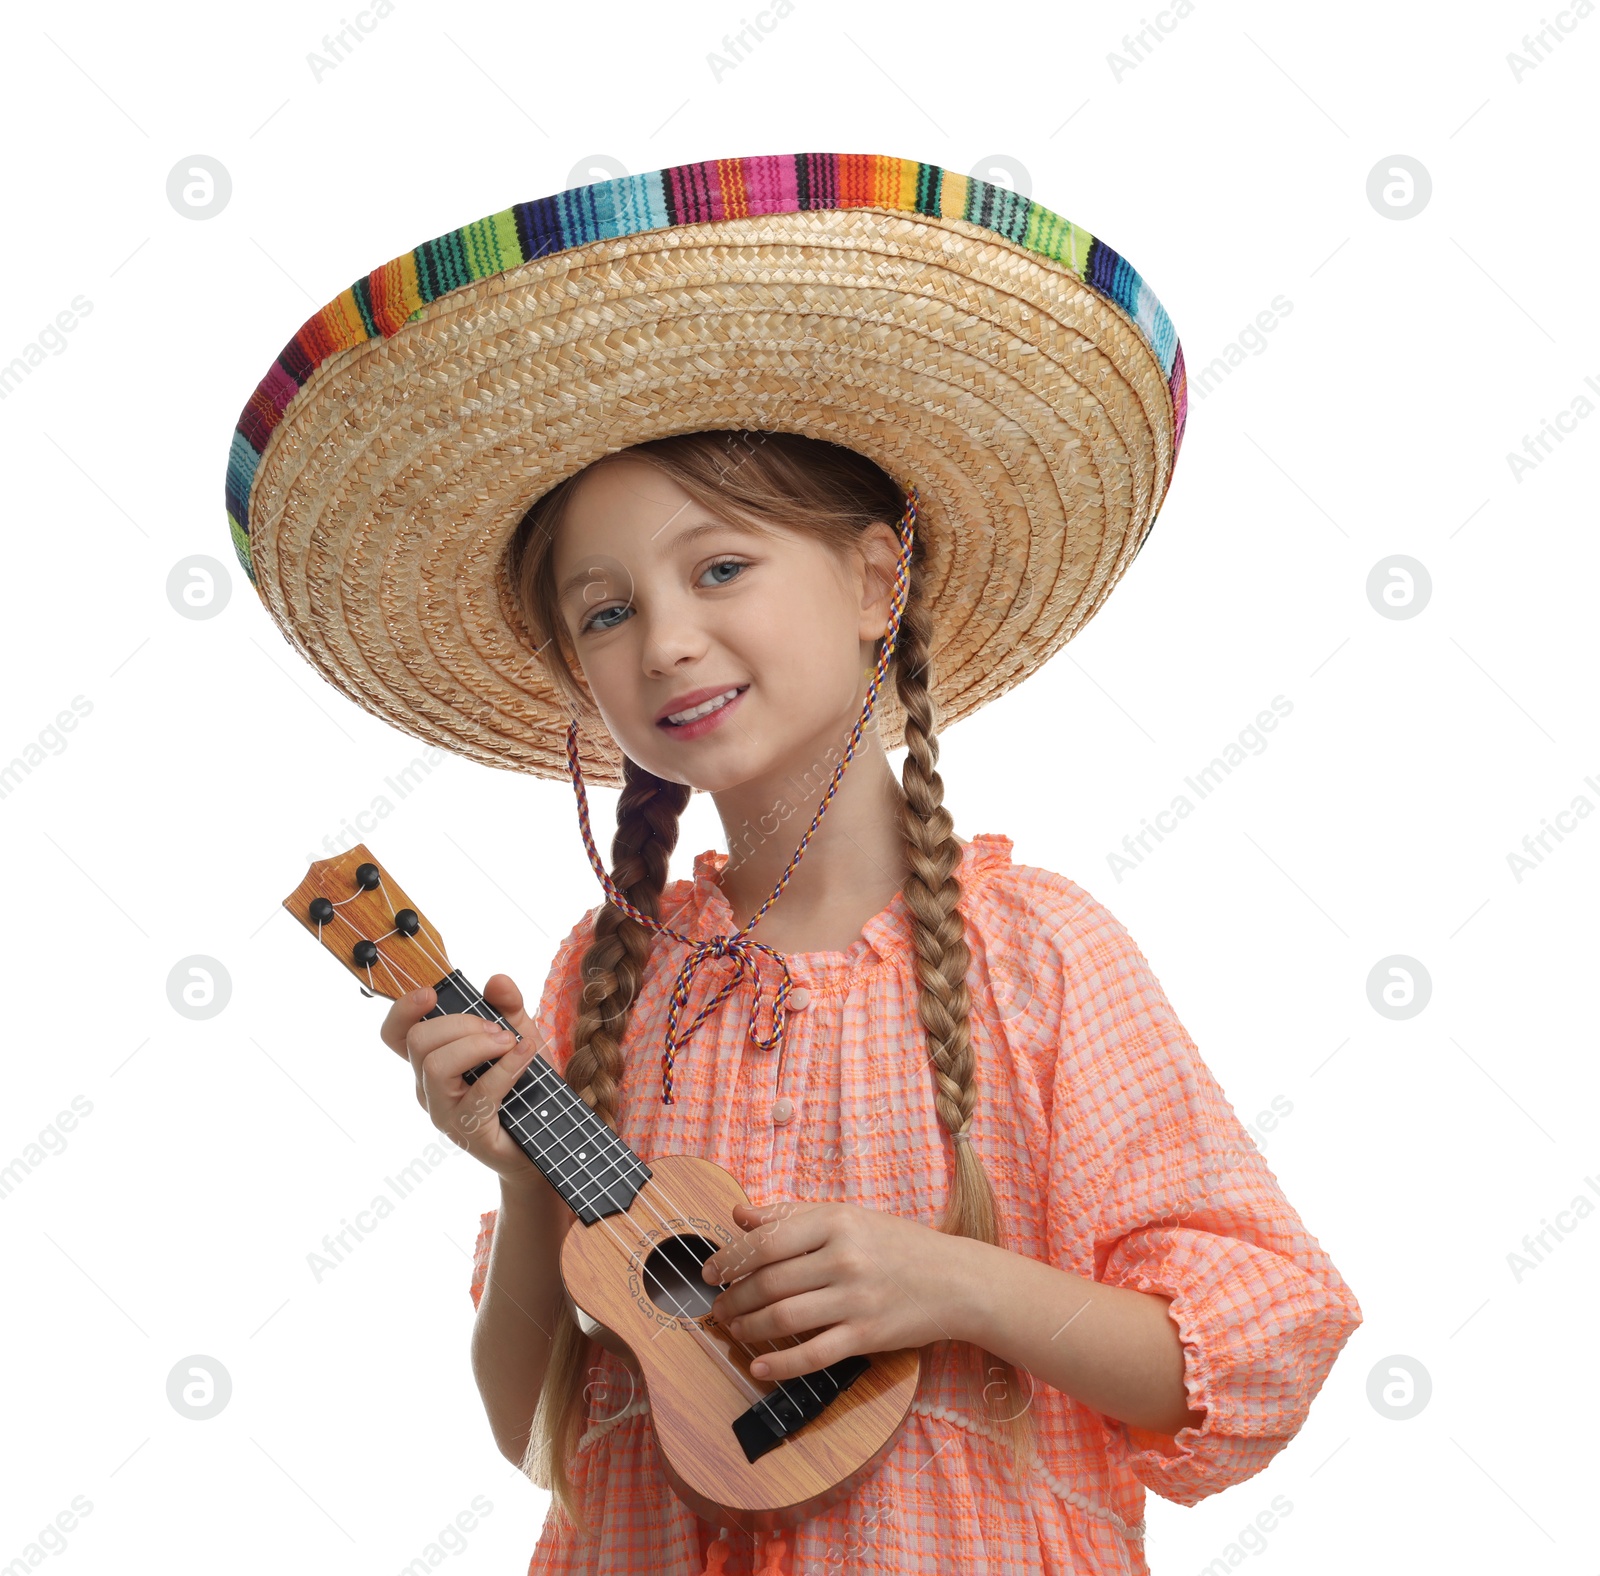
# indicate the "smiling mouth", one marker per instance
pixel 681 719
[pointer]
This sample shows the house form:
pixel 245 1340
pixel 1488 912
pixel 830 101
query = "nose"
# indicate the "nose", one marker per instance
pixel 672 637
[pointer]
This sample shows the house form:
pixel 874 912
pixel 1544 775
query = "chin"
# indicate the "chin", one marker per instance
pixel 666 770
pixel 672 767
pixel 737 767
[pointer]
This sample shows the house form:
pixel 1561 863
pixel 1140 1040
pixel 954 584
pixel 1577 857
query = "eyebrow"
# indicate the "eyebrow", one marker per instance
pixel 690 533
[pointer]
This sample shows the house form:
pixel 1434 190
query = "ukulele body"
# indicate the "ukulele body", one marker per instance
pixel 699 1383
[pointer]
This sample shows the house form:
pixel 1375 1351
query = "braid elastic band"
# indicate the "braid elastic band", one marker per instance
pixel 739 946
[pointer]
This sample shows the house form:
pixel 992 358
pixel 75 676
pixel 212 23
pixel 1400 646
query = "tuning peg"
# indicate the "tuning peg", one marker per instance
pixel 321 910
pixel 365 953
pixel 407 922
pixel 367 877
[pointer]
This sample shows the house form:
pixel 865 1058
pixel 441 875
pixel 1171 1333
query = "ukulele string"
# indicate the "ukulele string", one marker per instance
pixel 757 1397
pixel 599 1180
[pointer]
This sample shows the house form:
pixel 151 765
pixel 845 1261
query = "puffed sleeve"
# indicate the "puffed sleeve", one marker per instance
pixel 1153 1172
pixel 554 1019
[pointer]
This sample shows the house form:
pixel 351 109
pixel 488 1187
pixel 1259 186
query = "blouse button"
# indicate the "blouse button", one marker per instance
pixel 799 999
pixel 782 1109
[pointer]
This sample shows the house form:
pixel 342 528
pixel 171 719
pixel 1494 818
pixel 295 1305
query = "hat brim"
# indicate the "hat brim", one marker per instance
pixel 1032 389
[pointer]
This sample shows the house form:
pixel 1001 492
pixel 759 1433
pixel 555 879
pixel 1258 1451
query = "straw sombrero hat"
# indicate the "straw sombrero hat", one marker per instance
pixel 1007 363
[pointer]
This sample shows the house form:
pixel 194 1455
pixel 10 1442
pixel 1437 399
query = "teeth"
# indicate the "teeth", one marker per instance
pixel 704 709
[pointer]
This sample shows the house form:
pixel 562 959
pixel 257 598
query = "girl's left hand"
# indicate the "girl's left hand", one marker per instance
pixel 869 1282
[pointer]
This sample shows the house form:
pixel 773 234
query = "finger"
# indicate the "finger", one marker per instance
pixel 481 1106
pixel 786 1362
pixel 788 1319
pixel 778 1231
pixel 803 1273
pixel 425 1038
pixel 403 1015
pixel 502 994
pixel 475 1043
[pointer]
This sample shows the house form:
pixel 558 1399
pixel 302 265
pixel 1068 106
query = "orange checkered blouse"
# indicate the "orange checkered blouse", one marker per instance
pixel 1112 1152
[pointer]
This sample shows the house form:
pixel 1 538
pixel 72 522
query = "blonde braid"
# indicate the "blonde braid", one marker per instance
pixel 648 813
pixel 932 892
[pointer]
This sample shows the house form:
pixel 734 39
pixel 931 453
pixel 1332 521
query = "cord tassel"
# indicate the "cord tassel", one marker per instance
pixel 717 1555
pixel 771 1555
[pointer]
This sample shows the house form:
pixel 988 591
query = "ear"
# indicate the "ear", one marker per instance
pixel 879 548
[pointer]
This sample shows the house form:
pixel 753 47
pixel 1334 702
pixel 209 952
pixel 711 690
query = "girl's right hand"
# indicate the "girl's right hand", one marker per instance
pixel 440 1050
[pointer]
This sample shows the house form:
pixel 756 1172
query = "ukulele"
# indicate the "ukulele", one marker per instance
pixel 737 1450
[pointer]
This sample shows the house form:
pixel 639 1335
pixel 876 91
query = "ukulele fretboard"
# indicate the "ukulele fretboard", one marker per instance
pixel 582 1159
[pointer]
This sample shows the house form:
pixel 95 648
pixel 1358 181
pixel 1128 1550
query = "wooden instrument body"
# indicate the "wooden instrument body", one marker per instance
pixel 695 1395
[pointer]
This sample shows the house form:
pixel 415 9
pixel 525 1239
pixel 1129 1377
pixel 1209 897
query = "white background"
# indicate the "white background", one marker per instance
pixel 1230 164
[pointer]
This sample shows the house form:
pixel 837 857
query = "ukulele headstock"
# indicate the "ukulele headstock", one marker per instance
pixel 357 910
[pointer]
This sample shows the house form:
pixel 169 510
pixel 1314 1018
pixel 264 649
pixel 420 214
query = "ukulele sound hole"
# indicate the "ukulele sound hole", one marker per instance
pixel 672 1276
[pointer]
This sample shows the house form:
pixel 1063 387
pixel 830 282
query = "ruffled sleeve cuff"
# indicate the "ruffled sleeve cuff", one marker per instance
pixel 1259 1336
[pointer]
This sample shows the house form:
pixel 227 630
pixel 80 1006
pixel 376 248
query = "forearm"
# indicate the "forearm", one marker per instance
pixel 1111 1348
pixel 522 1298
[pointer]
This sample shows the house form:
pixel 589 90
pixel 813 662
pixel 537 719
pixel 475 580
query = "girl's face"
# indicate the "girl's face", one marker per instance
pixel 668 607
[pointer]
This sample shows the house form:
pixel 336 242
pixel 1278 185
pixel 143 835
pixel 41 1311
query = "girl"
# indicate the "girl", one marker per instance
pixel 918 957
pixel 966 1115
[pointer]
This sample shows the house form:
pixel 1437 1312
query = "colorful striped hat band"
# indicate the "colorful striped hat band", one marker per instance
pixel 1008 365
pixel 739 946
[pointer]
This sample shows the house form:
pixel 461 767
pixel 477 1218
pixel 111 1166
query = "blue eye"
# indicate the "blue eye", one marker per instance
pixel 725 563
pixel 594 620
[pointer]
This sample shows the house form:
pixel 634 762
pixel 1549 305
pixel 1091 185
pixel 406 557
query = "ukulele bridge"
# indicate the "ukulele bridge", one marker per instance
pixel 792 1403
